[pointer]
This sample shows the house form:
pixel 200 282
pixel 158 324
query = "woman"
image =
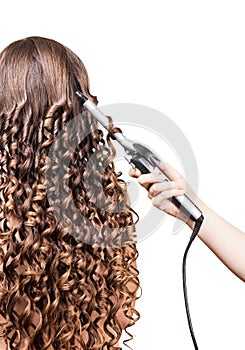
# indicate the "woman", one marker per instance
pixel 66 281
pixel 225 240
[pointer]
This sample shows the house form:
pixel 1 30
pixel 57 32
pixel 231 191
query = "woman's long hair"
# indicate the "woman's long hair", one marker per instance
pixel 68 278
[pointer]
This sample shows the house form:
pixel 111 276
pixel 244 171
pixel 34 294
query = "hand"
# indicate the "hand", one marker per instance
pixel 160 191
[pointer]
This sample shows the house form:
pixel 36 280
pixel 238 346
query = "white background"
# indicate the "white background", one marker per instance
pixel 187 60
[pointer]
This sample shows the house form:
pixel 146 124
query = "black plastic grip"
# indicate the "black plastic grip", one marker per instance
pixel 140 166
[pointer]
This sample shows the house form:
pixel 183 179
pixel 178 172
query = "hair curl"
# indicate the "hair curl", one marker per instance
pixel 68 278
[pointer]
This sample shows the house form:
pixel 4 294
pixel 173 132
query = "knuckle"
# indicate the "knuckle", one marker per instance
pixel 158 177
pixel 172 185
pixel 143 179
pixel 155 201
pixel 173 193
pixel 182 184
pixel 158 200
pixel 151 191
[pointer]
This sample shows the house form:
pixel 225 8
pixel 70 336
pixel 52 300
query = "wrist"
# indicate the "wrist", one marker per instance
pixel 201 206
pixel 191 224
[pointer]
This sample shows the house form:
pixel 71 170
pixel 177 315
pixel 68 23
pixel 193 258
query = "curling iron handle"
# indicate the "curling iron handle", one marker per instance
pixel 183 202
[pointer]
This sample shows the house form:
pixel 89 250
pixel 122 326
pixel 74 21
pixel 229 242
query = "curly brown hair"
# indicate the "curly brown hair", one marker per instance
pixel 68 278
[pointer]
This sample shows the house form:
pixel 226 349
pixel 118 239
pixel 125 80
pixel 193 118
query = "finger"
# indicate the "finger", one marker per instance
pixel 148 179
pixel 157 188
pixel 169 171
pixel 134 172
pixel 165 196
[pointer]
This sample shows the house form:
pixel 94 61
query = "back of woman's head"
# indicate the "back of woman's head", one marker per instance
pixel 67 278
pixel 40 72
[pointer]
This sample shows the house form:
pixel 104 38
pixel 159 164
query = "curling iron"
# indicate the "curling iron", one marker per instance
pixel 141 157
pixel 146 161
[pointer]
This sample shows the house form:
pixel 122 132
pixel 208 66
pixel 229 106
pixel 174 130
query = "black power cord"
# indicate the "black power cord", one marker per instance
pixel 196 229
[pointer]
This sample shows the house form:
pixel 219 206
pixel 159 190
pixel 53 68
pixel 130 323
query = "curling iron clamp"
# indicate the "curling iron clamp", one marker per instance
pixel 141 157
